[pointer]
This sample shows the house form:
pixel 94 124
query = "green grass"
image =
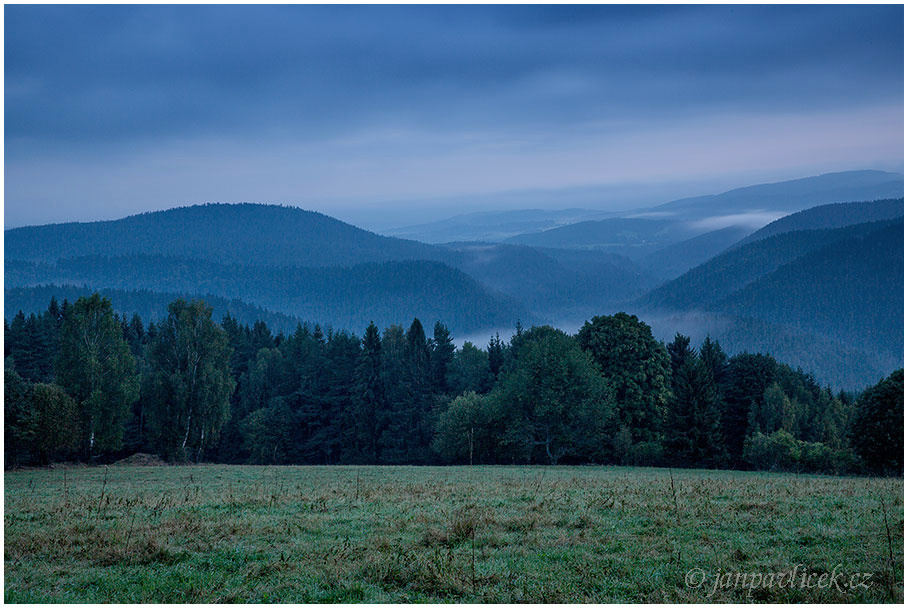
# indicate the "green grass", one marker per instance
pixel 480 534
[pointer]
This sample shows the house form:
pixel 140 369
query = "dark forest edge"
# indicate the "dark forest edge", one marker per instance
pixel 84 384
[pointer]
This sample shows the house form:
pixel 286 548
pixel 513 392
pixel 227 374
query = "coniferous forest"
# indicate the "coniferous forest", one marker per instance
pixel 85 384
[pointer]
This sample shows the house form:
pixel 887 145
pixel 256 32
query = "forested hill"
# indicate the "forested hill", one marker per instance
pixel 851 290
pixel 242 234
pixel 835 215
pixel 737 267
pixel 346 298
pixel 309 265
pixel 829 300
pixel 674 260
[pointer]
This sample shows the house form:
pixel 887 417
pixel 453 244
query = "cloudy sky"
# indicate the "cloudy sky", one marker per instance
pixel 112 110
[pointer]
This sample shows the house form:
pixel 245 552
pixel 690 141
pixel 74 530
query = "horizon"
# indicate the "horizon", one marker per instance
pixel 392 116
pixel 440 214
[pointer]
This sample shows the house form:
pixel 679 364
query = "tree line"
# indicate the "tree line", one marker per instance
pixel 82 383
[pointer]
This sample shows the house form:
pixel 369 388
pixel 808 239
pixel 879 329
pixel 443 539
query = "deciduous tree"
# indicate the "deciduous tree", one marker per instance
pixel 97 369
pixel 191 383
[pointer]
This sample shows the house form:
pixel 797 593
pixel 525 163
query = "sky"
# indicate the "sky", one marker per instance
pixel 404 114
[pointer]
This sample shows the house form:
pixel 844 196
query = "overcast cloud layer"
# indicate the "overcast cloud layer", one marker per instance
pixel 111 110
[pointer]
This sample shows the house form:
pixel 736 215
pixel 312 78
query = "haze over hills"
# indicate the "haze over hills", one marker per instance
pixel 752 290
pixel 640 233
pixel 257 253
pixel 754 206
pixel 834 215
pixel 792 195
pixel 829 299
pixel 673 260
pixel 490 225
pixel 558 285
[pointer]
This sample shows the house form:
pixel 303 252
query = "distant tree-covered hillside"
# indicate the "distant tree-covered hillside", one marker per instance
pixel 239 234
pixel 828 300
pixel 631 236
pixel 346 298
pixel 835 215
pixel 673 260
pixel 553 283
pixel 851 290
pixel 832 362
pixel 732 270
pixel 644 231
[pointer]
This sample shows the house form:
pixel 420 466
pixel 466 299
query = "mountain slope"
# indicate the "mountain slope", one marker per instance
pixel 242 234
pixel 835 215
pixel 851 290
pixel 346 298
pixel 673 260
pixel 271 236
pixel 553 284
pixel 833 363
pixel 736 268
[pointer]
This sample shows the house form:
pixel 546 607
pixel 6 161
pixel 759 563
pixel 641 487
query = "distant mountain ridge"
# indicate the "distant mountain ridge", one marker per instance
pixel 795 195
pixel 834 215
pixel 641 233
pixel 266 243
pixel 490 226
pixel 228 233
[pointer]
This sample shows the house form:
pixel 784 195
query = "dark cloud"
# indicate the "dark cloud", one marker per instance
pixel 97 95
pixel 110 72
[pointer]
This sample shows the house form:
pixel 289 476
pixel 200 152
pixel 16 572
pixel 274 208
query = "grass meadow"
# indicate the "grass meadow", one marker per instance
pixel 217 533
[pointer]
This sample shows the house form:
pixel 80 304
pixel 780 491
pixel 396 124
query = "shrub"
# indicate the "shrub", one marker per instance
pixel 778 451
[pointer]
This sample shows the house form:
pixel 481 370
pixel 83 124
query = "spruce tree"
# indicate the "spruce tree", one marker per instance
pixel 369 403
pixel 496 352
pixel 694 434
pixel 877 432
pixel 443 350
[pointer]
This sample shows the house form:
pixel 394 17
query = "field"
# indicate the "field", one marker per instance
pixel 471 534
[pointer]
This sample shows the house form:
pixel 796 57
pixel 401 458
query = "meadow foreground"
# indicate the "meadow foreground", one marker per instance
pixel 473 534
